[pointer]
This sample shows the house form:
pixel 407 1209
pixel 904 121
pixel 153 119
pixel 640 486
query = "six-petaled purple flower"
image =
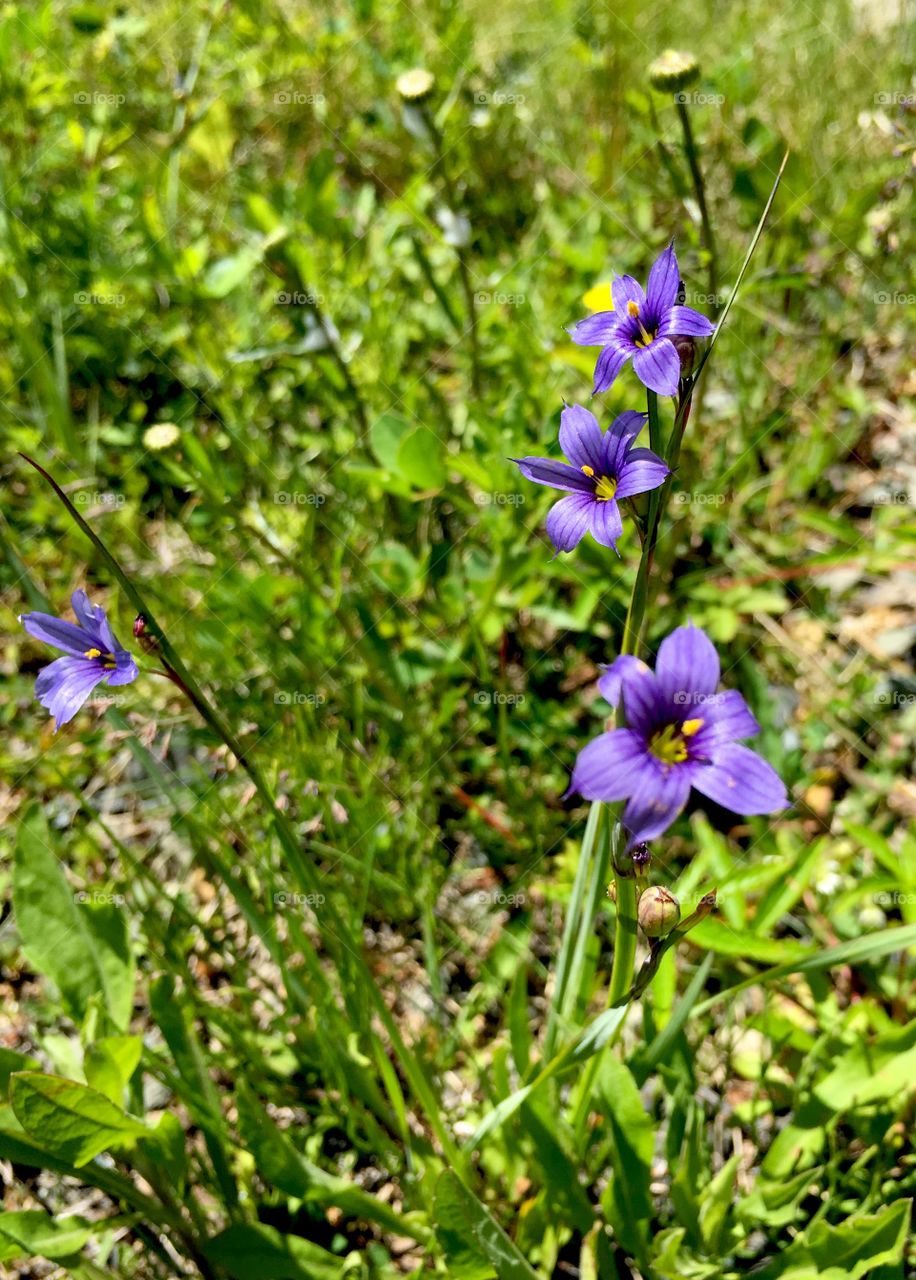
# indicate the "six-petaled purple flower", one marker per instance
pixel 682 732
pixel 641 327
pixel 603 467
pixel 93 655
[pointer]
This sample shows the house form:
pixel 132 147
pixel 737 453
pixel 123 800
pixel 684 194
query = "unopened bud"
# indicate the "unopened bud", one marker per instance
pixel 641 858
pixel 139 626
pixel 686 349
pixel 658 911
pixel 415 85
pixel 673 71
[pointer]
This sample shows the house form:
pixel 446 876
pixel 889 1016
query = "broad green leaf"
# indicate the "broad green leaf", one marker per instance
pixel 715 1204
pixel 73 1121
pixel 852 1249
pixel 110 1062
pixel 33 1233
pixel 874 1072
pixel 420 459
pixel 385 437
pixel 165 1145
pixel 226 274
pixel 458 1210
pixel 256 1252
pixel 82 946
pixel 628 1199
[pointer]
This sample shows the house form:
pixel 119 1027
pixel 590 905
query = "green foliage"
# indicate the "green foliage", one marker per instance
pixel 287 991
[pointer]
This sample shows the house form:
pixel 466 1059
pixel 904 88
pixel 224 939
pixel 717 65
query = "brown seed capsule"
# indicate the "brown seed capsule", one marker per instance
pixel 658 912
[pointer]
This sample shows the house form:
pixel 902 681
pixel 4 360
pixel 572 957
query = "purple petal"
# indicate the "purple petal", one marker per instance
pixel 685 322
pixel 658 366
pixel 687 668
pixel 568 520
pixel 558 475
pixel 581 438
pixel 740 781
pixel 126 669
pixel 618 438
pixel 642 470
pixel 726 718
pixel 623 668
pixel 610 362
pixel 65 685
pixel 625 289
pixel 659 798
pixel 594 331
pixel 643 702
pixel 664 281
pixel 62 635
pixel 609 768
pixel 606 524
pixel 87 615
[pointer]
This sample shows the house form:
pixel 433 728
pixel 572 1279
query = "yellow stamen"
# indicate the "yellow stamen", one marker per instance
pixel 589 471
pixel 605 489
pixel 690 727
pixel 633 309
pixel 668 746
pixel 93 653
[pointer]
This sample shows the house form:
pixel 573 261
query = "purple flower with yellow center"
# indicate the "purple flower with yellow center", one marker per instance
pixel 640 328
pixel 603 467
pixel 681 732
pixel 93 655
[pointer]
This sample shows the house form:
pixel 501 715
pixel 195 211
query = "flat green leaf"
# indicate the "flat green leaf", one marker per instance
pixel 852 1249
pixel 73 1121
pixel 420 459
pixel 83 947
pixel 258 1252
pixel 33 1233
pixel 10 1062
pixel 872 1072
pixel 226 274
pixel 110 1062
pixel 459 1211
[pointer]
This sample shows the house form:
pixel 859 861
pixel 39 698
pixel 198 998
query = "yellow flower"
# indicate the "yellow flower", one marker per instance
pixel 599 298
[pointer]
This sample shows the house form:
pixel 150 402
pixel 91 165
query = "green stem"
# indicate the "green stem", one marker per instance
pixel 624 940
pixel 696 174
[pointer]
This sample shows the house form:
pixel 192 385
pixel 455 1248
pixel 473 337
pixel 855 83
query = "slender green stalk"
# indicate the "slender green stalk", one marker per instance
pixel 696 174
pixel 624 939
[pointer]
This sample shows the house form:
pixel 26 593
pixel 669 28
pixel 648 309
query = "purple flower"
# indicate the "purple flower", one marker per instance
pixel 93 655
pixel 604 467
pixel 681 733
pixel 641 326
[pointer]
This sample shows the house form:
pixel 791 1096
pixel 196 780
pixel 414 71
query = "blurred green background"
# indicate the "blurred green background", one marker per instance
pixel 278 335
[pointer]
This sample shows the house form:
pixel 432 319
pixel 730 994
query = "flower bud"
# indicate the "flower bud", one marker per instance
pixel 658 911
pixel 686 349
pixel 673 71
pixel 415 85
pixel 641 858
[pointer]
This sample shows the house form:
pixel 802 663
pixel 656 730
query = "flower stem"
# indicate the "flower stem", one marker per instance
pixel 696 174
pixel 624 940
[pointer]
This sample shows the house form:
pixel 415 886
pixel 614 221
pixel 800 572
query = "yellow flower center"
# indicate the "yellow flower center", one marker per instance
pixel 645 337
pixel 605 489
pixel 93 653
pixel 669 744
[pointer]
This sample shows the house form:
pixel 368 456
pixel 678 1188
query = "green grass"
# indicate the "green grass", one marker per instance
pixel 220 217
